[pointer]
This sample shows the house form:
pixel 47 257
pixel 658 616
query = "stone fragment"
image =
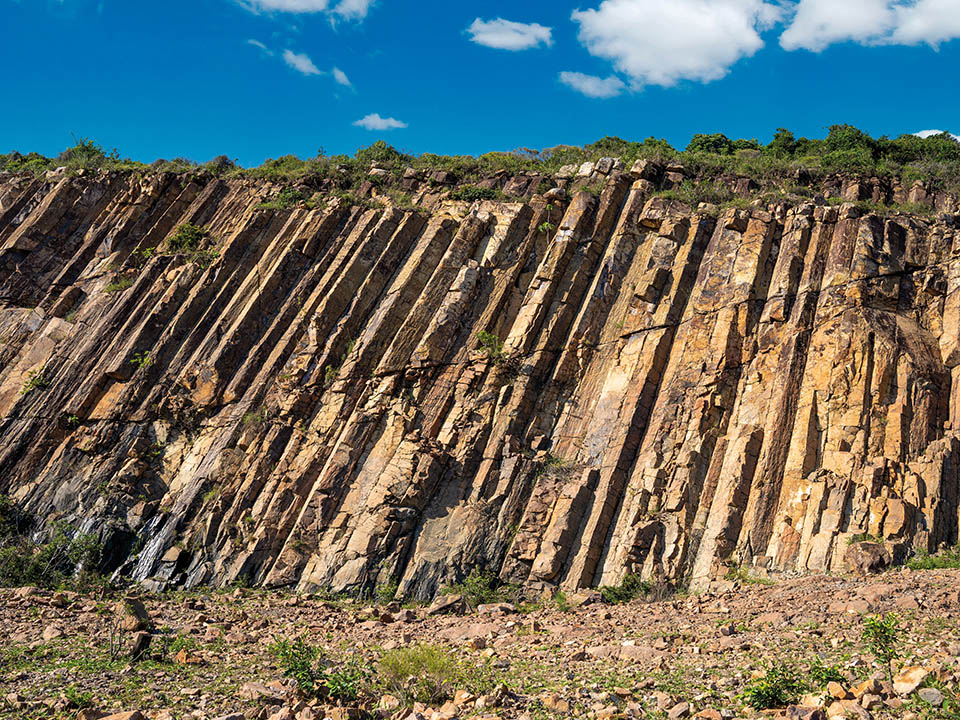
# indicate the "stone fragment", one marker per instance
pixel 909 679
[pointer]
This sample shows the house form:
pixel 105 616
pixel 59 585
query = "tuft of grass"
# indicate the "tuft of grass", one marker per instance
pixel 36 380
pixel 430 674
pixel 864 537
pixel 188 240
pixel 119 285
pixel 742 575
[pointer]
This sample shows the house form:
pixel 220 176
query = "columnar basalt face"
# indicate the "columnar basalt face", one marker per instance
pixel 563 389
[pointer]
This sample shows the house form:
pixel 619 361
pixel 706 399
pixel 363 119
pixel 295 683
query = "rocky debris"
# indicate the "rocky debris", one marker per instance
pixel 132 615
pixel 909 679
pixel 447 604
pixel 867 558
pixel 597 661
pixel 563 391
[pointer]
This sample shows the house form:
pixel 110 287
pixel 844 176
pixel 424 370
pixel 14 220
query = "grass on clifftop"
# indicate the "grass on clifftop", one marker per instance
pixel 845 149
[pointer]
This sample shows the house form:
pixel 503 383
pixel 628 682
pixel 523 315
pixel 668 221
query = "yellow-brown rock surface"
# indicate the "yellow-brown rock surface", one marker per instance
pixel 676 392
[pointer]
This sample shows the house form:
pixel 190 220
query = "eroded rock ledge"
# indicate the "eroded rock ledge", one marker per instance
pixel 677 392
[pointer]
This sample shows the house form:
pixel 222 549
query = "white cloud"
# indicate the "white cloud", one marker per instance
pixel 593 86
pixel 820 23
pixel 931 133
pixel 301 63
pixel 258 44
pixel 340 77
pixel 375 122
pixel 293 6
pixel 353 9
pixel 508 35
pixel 348 9
pixel 657 42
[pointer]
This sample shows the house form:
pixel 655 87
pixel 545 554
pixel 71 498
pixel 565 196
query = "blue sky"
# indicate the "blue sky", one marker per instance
pixel 254 79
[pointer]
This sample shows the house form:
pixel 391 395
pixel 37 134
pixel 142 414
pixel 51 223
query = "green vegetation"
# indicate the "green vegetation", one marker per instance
pixel 948 559
pixel 471 193
pixel 141 360
pixel 36 380
pixel 317 677
pixel 776 166
pixel 629 588
pixel 881 635
pixel 430 674
pixel 287 198
pixel 820 674
pixel 491 345
pixel 864 537
pixel 119 285
pixel 188 240
pixel 65 557
pixel 302 663
pixel 779 687
pixel 744 576
pixel 481 587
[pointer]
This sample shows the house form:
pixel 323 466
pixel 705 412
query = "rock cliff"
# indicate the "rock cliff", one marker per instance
pixel 566 388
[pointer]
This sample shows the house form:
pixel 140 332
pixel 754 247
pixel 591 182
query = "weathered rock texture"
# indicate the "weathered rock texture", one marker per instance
pixel 676 393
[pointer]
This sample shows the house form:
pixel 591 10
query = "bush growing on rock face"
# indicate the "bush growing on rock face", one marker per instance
pixel 64 558
pixel 481 587
pixel 631 587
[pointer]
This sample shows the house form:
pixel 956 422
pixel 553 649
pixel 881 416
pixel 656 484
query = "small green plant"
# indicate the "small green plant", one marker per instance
pixel 118 285
pixel 142 360
pixel 346 682
pixel 255 416
pixel 881 634
pixel 300 662
pixel 546 227
pixel 330 375
pixel 187 238
pixel 491 345
pixel 76 698
pixel 820 674
pixel 386 592
pixel 632 586
pixel 36 380
pixel 781 686
pixel 183 643
pixel 560 601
